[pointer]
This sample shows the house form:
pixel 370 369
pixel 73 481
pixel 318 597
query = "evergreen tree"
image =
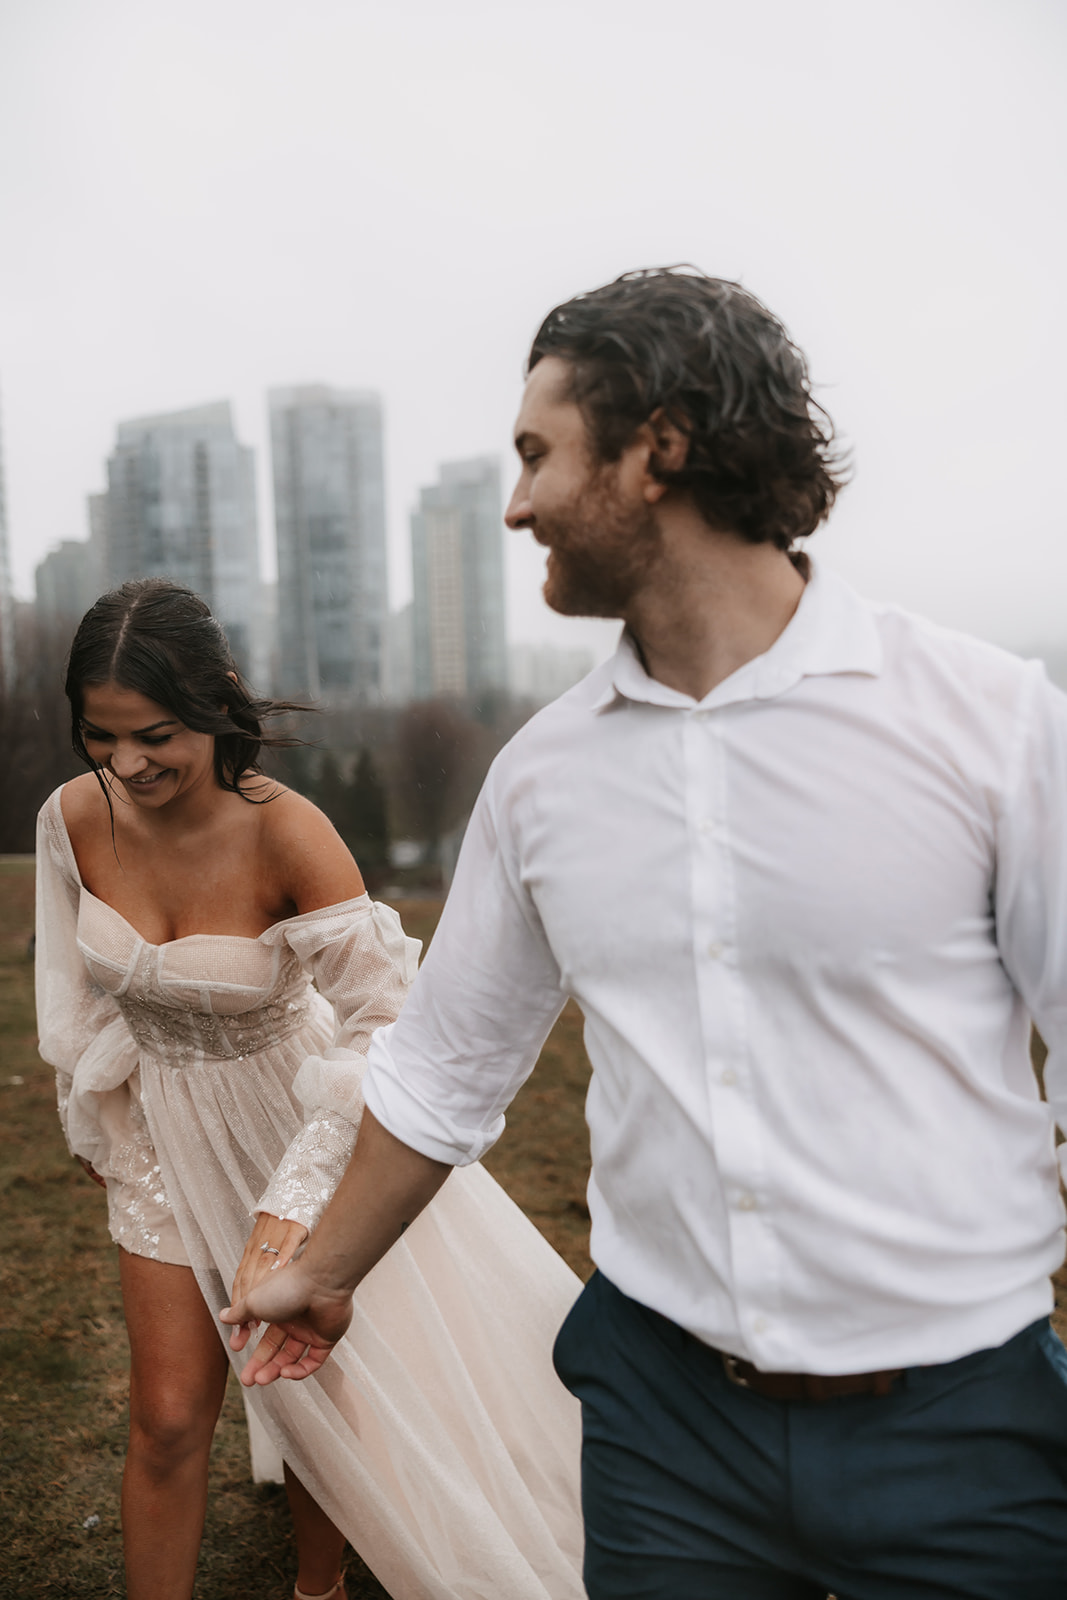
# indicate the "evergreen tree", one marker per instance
pixel 367 815
pixel 295 767
pixel 331 794
pixel 440 756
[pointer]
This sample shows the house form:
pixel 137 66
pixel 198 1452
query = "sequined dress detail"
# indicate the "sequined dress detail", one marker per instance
pixel 215 1075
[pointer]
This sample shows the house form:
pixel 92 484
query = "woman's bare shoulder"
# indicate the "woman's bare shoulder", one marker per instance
pixel 284 811
pixel 308 853
pixel 84 806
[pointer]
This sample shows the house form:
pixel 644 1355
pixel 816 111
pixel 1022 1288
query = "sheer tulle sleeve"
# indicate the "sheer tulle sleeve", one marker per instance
pixel 72 1011
pixel 363 963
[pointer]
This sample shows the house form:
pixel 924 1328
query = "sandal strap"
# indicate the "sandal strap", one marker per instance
pixel 298 1593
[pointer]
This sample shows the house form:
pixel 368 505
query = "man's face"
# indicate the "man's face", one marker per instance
pixel 592 517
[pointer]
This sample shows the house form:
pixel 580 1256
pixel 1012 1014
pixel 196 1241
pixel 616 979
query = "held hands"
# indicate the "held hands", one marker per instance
pixel 309 1305
pixel 305 1322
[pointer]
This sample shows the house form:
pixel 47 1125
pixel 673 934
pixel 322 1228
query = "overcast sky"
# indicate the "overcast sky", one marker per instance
pixel 199 201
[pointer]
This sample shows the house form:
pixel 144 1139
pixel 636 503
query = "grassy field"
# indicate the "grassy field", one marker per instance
pixel 63 1382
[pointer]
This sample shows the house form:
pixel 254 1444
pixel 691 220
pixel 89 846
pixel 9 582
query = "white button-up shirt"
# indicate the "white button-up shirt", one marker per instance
pixel 807 920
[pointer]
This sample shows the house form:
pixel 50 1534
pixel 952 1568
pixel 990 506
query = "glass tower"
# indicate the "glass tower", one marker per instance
pixel 457 551
pixel 329 518
pixel 181 503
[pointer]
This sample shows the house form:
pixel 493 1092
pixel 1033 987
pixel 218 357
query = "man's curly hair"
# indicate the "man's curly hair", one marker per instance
pixel 761 461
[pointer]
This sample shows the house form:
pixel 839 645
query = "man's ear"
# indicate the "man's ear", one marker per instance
pixel 668 454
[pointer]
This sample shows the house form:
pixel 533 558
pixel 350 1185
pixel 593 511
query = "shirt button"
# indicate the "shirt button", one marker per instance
pixel 729 1077
pixel 707 825
pixel 715 949
pixel 759 1325
pixel 746 1202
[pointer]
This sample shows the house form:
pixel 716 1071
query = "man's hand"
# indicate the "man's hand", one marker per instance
pixel 305 1322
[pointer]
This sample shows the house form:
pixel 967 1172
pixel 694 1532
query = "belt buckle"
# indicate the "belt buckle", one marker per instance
pixel 730 1368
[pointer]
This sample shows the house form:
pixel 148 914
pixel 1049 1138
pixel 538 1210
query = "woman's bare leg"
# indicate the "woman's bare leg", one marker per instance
pixel 178 1370
pixel 319 1544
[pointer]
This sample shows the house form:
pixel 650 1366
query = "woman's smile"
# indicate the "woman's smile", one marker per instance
pixel 147 782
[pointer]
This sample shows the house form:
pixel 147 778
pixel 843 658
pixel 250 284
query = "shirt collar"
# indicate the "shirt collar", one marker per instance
pixel 832 630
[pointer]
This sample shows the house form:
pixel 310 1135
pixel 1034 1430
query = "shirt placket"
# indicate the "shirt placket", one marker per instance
pixel 734 1130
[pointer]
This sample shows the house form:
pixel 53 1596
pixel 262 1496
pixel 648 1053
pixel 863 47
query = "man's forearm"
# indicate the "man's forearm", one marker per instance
pixel 384 1188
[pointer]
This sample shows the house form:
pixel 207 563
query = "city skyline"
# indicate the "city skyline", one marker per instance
pixel 180 503
pixel 591 639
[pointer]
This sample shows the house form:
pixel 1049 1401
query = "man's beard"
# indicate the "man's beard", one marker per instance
pixel 600 555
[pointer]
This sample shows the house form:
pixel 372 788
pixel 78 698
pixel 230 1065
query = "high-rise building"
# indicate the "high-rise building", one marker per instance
pixel 457 554
pixel 67 582
pixel 181 503
pixel 7 597
pixel 329 518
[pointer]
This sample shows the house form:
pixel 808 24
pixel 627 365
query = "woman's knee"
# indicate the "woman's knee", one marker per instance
pixel 168 1423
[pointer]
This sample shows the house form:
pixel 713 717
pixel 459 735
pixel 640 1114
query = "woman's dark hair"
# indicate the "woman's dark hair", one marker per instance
pixel 761 459
pixel 159 638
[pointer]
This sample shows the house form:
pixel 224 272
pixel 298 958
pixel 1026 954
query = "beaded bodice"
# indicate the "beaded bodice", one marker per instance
pixel 181 1038
pixel 210 997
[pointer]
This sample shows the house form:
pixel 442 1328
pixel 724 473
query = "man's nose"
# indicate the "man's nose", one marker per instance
pixel 518 514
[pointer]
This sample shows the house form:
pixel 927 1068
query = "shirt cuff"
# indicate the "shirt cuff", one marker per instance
pixel 413 1120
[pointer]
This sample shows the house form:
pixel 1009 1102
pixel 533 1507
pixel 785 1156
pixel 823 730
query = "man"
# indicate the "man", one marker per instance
pixel 802 862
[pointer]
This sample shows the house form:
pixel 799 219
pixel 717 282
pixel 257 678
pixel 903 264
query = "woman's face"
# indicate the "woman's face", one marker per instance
pixel 153 755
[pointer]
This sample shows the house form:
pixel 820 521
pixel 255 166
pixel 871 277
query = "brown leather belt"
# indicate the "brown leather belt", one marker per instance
pixel 806 1385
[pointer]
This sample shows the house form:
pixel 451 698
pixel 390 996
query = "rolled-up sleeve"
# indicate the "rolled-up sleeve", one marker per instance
pixel 1031 897
pixel 441 1077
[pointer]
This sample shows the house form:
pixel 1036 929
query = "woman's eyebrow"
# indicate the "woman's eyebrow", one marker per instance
pixel 138 733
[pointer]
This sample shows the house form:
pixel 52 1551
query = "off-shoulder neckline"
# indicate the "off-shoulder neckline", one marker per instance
pixel 241 938
pixel 238 938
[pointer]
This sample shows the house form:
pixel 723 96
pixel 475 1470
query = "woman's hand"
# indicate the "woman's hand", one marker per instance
pixel 283 1240
pixel 88 1167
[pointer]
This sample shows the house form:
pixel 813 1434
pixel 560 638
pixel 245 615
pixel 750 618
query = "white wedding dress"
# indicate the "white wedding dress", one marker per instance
pixel 216 1075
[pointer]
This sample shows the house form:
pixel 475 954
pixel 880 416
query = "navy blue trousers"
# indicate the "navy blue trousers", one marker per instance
pixel 952 1487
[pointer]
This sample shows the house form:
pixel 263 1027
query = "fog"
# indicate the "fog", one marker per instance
pixel 203 201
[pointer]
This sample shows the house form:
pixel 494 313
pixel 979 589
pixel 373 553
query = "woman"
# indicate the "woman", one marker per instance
pixel 210 969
